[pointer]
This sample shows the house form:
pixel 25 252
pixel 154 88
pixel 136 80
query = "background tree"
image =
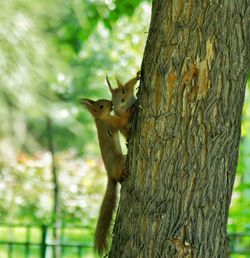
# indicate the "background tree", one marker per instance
pixel 184 144
pixel 53 53
pixel 50 58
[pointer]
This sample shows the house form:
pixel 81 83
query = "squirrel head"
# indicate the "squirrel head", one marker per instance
pixel 122 97
pixel 99 108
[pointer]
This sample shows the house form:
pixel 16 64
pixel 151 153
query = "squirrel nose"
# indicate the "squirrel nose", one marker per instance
pixel 118 111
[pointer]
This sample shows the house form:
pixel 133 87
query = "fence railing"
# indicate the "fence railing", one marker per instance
pixel 239 243
pixel 36 241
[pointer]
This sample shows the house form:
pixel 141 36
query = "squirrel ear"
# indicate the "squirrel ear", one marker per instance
pixel 88 103
pixel 118 82
pixel 109 84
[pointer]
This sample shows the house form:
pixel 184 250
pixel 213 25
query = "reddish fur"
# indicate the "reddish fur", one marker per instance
pixel 121 123
pixel 114 163
pixel 102 231
pixel 123 101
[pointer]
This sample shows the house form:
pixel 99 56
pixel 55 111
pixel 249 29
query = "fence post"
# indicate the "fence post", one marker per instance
pixel 27 244
pixel 43 244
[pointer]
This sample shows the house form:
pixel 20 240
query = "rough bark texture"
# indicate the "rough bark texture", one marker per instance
pixel 184 146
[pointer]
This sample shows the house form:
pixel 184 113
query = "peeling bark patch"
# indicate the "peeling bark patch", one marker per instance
pixel 181 8
pixel 189 75
pixel 204 68
pixel 172 76
pixel 203 80
pixel 183 249
pixel 189 82
pixel 209 52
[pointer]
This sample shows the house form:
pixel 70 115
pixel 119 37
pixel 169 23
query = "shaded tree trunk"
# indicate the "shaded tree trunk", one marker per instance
pixel 183 148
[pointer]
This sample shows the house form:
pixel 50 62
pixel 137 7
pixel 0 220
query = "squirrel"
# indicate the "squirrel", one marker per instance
pixel 123 97
pixel 114 162
pixel 121 123
pixel 123 100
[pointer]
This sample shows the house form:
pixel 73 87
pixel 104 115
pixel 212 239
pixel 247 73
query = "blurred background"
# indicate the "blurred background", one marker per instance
pixel 51 175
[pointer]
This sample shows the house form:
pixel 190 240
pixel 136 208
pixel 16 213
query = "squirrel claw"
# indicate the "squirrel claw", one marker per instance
pixel 123 175
pixel 138 75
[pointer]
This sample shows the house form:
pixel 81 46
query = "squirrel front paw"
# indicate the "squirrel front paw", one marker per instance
pixel 138 75
pixel 124 174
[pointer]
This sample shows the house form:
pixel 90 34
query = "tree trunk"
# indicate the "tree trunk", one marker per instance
pixel 183 148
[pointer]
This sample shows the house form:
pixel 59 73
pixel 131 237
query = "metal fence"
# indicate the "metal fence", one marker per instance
pixel 239 244
pixel 36 241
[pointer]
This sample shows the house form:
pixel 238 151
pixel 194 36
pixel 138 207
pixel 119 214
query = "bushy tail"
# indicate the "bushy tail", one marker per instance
pixel 102 231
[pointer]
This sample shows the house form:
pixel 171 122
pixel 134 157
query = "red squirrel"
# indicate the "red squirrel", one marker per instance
pixel 121 123
pixel 123 100
pixel 107 126
pixel 114 162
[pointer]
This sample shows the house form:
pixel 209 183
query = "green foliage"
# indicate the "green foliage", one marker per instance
pixel 240 207
pixel 53 53
pixel 78 20
pixel 57 52
pixel 101 52
pixel 28 65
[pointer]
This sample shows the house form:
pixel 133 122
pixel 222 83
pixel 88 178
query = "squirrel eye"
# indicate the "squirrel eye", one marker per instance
pixel 101 107
pixel 123 91
pixel 122 99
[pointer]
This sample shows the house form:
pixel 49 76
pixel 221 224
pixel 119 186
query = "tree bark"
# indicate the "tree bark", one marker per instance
pixel 183 149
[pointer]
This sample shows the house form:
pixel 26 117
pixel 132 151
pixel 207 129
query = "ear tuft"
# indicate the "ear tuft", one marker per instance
pixel 88 103
pixel 109 84
pixel 119 84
